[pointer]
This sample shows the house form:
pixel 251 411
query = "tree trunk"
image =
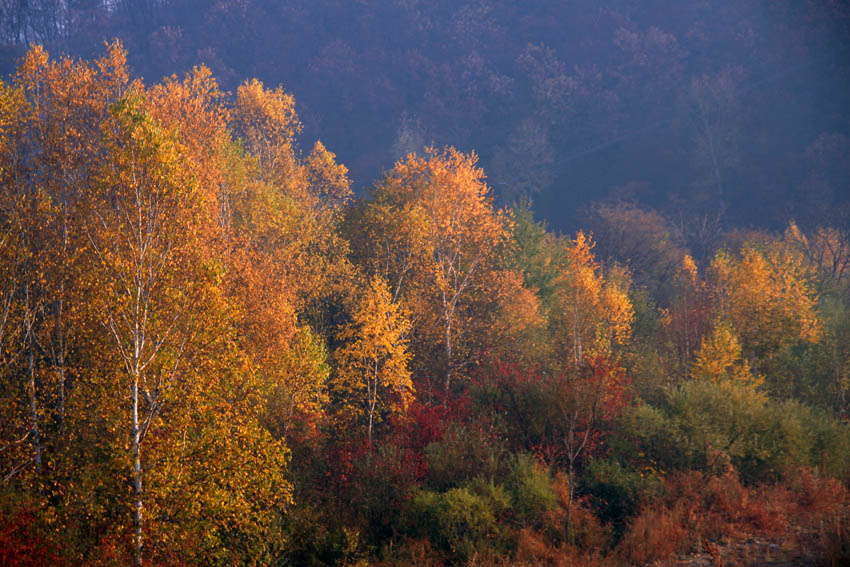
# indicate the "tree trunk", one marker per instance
pixel 373 400
pixel 448 345
pixel 137 475
pixel 570 501
pixel 30 339
pixel 36 437
pixel 577 350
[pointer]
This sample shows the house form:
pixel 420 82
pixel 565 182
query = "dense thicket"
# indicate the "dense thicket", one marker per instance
pixel 212 353
pixel 722 113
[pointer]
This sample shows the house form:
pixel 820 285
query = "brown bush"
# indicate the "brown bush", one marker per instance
pixel 656 534
pixel 769 511
pixel 532 549
pixel 411 552
pixel 823 511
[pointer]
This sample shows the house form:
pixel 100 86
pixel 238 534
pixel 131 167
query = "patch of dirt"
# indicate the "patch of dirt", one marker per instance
pixel 752 552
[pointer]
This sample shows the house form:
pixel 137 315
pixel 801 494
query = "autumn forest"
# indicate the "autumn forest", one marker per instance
pixel 217 349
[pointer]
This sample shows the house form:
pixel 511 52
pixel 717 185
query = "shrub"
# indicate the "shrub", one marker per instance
pixel 530 484
pixel 21 545
pixel 706 426
pixel 465 452
pixel 463 522
pixel 654 535
pixel 382 483
pixel 615 492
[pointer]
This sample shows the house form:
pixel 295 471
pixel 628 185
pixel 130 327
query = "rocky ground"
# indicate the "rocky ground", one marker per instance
pixel 753 553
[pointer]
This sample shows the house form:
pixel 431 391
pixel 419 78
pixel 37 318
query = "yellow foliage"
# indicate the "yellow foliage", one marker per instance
pixel 373 365
pixel 268 124
pixel 767 294
pixel 720 358
pixel 145 373
pixel 689 269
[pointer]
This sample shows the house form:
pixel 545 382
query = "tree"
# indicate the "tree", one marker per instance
pixel 641 239
pixel 592 315
pixel 767 295
pixel 145 241
pixel 287 267
pixel 51 118
pixel 268 124
pixel 720 358
pixel 445 246
pixel 714 105
pixel 826 248
pixel 690 309
pixel 285 210
pixel 374 363
pixel 586 396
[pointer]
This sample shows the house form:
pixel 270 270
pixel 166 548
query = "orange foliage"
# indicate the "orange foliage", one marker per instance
pixel 443 256
pixel 593 315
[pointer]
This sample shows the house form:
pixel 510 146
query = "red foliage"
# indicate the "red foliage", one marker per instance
pixel 535 411
pixel 20 545
pixel 590 397
pixel 342 460
pixel 426 422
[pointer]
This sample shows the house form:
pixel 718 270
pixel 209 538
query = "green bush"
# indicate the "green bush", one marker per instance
pixel 463 522
pixel 707 426
pixel 463 454
pixel 532 494
pixel 615 492
pixel 828 442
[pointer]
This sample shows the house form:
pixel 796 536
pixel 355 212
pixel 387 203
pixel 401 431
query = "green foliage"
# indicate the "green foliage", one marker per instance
pixel 532 493
pixel 706 426
pixel 464 453
pixel 463 521
pixel 615 492
pixel 651 362
pixel 538 253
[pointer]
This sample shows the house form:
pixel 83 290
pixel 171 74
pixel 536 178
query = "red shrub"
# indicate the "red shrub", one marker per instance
pixel 656 534
pixel 21 545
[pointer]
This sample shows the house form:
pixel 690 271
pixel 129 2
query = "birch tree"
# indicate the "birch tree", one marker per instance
pixel 374 363
pixel 440 262
pixel 144 262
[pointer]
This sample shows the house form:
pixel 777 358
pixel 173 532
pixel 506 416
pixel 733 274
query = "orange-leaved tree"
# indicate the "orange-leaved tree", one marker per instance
pixel 591 314
pixel 437 234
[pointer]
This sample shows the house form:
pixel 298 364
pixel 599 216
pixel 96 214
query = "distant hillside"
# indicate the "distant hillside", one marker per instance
pixel 737 107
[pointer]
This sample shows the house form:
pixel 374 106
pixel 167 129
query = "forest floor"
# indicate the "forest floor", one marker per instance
pixel 753 552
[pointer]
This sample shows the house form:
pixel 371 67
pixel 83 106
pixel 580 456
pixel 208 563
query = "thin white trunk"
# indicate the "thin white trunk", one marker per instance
pixel 31 385
pixel 137 474
pixel 373 400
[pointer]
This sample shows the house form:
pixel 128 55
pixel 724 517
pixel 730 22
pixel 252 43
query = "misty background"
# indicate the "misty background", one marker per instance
pixel 719 114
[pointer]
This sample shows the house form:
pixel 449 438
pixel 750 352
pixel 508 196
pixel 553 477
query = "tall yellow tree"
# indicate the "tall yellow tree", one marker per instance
pixel 373 366
pixel 145 258
pixel 767 294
